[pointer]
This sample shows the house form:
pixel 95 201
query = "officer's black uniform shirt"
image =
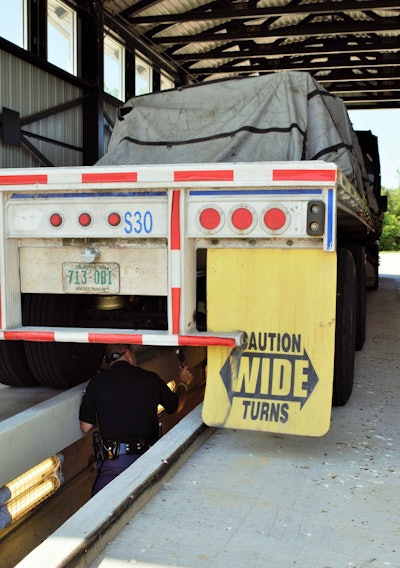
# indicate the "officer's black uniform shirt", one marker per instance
pixel 123 402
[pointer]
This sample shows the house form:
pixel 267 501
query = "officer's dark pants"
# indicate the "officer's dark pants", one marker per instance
pixel 110 469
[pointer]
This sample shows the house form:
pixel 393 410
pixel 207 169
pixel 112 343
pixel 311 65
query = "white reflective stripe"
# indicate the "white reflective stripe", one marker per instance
pixel 175 268
pixel 165 340
pixel 70 176
pixel 74 336
pixel 248 174
pixel 155 175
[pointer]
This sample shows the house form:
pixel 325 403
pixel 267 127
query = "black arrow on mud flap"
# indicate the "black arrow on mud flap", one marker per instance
pixel 311 382
pixel 231 369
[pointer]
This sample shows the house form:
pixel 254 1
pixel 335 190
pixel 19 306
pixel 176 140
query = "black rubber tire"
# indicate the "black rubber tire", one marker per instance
pixel 58 365
pixel 345 335
pixel 373 258
pixel 359 257
pixel 14 367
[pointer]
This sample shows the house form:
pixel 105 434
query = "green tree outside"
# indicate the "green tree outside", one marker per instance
pixel 390 238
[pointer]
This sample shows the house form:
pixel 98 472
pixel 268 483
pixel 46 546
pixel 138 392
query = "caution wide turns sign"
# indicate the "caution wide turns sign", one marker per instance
pixel 280 379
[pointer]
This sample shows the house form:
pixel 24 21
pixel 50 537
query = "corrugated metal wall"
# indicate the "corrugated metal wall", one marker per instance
pixel 28 90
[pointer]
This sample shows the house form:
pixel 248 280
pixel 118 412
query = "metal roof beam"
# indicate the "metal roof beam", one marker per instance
pixel 265 65
pixel 370 104
pixel 391 73
pixel 311 30
pixel 238 13
pixel 138 7
pixel 384 87
pixel 326 47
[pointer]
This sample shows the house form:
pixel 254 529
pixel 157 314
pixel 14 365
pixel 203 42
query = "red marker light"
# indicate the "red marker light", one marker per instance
pixel 210 219
pixel 56 220
pixel 242 218
pixel 85 219
pixel 114 219
pixel 274 219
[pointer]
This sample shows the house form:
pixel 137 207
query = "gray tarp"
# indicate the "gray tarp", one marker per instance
pixel 278 117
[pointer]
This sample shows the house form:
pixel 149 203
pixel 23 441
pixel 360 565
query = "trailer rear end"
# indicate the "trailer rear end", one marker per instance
pixel 236 263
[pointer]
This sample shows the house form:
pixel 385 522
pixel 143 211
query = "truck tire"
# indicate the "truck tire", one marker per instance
pixel 359 257
pixel 345 335
pixel 58 365
pixel 373 266
pixel 14 367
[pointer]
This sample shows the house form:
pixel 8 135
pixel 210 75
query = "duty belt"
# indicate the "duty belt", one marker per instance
pixel 112 449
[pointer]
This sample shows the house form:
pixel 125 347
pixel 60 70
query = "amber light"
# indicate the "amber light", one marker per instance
pixel 210 218
pixel 114 219
pixel 85 219
pixel 56 220
pixel 274 219
pixel 24 493
pixel 242 219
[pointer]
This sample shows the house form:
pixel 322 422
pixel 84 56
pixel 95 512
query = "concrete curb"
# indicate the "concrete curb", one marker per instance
pixel 53 424
pixel 79 540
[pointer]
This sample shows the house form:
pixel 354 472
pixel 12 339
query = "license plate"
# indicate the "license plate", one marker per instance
pixel 91 278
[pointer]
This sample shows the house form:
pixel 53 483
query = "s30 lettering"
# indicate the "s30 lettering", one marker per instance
pixel 138 222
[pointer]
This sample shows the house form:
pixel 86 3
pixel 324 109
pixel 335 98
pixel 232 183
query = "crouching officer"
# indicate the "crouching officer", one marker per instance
pixel 122 402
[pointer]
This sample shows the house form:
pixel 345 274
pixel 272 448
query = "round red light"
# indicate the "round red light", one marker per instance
pixel 210 218
pixel 242 219
pixel 274 219
pixel 85 219
pixel 114 219
pixel 56 220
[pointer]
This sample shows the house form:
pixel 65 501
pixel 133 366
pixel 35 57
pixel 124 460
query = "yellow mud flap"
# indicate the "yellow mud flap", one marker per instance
pixel 280 380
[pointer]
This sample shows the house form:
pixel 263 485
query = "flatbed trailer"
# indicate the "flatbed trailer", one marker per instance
pixel 262 264
pixel 231 225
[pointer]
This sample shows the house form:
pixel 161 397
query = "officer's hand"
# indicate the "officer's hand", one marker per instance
pixel 185 375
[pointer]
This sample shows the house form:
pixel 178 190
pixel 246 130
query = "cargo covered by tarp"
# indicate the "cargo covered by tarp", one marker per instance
pixel 285 116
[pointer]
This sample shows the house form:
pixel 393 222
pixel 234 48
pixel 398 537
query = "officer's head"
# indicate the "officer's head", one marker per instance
pixel 120 352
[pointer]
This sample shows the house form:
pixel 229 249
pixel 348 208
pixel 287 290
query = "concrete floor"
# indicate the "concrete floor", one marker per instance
pixel 14 400
pixel 255 500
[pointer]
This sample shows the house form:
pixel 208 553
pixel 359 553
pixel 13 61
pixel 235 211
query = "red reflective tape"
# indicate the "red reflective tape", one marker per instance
pixel 25 179
pixel 303 175
pixel 176 309
pixel 128 338
pixel 105 177
pixel 198 341
pixel 204 175
pixel 30 335
pixel 175 243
